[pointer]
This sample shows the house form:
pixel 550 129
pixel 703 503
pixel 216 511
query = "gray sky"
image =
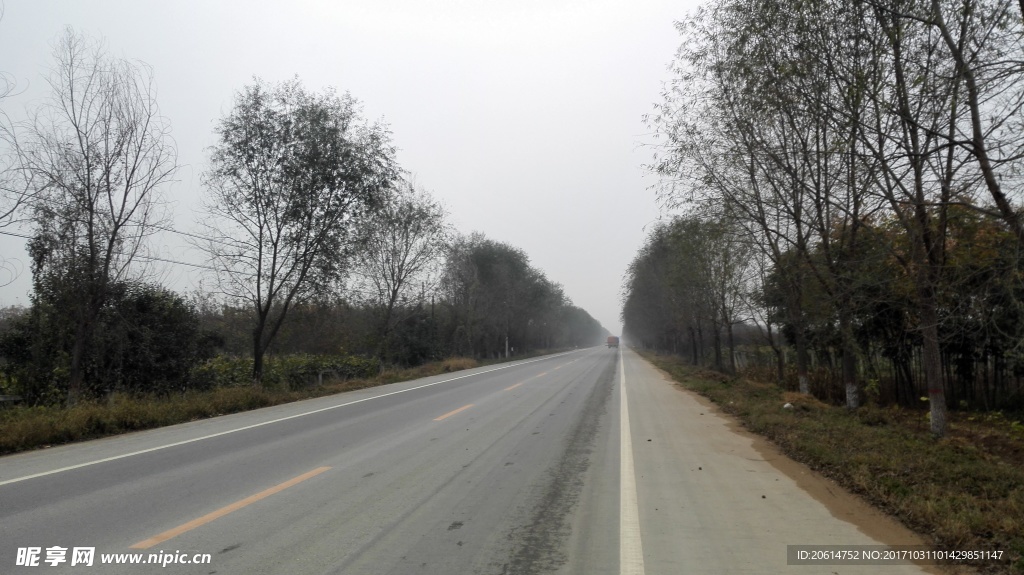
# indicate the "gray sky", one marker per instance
pixel 522 117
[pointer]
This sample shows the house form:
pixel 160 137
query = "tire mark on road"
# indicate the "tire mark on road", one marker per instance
pixel 539 544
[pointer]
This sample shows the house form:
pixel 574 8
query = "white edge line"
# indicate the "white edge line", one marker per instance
pixel 631 549
pixel 278 420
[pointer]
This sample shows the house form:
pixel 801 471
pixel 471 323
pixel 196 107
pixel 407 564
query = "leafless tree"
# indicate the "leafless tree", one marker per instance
pixel 93 158
pixel 400 251
pixel 15 182
pixel 981 44
pixel 13 191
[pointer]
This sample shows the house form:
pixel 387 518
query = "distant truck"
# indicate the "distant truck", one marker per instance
pixel 613 341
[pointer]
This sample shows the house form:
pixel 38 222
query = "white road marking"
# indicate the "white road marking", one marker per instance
pixel 631 549
pixel 278 420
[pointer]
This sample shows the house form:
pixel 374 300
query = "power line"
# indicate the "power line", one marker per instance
pixel 138 256
pixel 187 234
pixel 154 258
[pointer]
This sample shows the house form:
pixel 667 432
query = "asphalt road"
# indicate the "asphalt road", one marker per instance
pixel 518 468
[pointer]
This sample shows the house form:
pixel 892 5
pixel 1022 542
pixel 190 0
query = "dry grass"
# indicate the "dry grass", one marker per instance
pixel 803 401
pixel 458 364
pixel 24 428
pixel 964 491
pixel 33 427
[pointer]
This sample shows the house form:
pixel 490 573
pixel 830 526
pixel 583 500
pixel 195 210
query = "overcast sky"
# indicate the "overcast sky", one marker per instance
pixel 523 117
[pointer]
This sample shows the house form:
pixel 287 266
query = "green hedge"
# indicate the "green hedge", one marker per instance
pixel 289 371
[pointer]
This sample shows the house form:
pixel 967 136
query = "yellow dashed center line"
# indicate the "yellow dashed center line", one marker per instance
pixel 453 412
pixel 511 387
pixel 146 544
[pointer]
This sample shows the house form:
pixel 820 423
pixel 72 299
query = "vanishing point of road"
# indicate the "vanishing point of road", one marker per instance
pixel 586 462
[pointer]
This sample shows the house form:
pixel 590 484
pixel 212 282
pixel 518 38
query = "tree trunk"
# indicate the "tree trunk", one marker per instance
pixel 75 373
pixel 718 346
pixel 780 358
pixel 796 319
pixel 700 341
pixel 849 360
pixel 800 345
pixel 257 354
pixel 780 368
pixel 931 357
pixel 802 360
pixel 383 347
pixel 732 348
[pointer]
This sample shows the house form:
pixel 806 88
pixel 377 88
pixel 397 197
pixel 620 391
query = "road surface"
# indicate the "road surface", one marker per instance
pixel 586 462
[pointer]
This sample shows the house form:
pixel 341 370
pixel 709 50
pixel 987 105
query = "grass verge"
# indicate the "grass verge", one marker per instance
pixel 964 491
pixel 25 428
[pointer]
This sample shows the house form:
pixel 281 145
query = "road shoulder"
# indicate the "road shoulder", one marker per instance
pixel 735 500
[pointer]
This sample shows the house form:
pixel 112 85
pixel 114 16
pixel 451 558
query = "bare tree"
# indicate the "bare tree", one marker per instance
pixel 291 174
pixel 15 182
pixel 95 156
pixel 984 46
pixel 13 192
pixel 401 246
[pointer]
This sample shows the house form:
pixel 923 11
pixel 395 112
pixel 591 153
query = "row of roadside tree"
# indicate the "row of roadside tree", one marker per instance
pixel 847 182
pixel 316 242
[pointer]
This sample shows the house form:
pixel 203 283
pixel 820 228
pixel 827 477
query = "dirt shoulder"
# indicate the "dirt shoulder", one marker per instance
pixel 961 492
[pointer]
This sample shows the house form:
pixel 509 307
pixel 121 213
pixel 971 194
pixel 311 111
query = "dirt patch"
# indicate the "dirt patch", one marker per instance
pixel 1006 445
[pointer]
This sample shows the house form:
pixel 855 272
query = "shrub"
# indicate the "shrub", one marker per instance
pixel 288 371
pixel 146 339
